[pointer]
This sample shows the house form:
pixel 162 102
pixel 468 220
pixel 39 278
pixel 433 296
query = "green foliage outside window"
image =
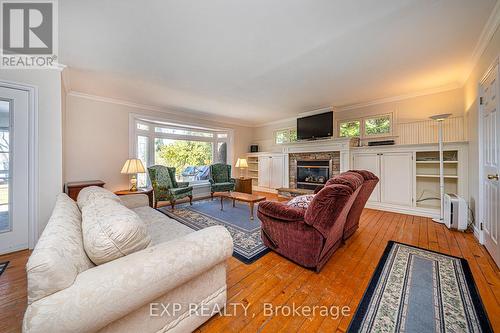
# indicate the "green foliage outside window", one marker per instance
pixel 349 129
pixel 286 135
pixel 181 154
pixel 377 126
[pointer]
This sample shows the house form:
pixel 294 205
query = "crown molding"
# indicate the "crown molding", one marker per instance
pixel 398 98
pixel 487 33
pixel 172 111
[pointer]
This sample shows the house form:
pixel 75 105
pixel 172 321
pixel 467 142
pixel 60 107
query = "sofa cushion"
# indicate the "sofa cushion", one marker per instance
pixel 92 193
pixel 59 255
pixel 161 227
pixel 301 201
pixel 111 231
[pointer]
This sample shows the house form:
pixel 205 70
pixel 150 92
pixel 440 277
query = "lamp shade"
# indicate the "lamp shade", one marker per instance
pixel 133 166
pixel 440 117
pixel 241 163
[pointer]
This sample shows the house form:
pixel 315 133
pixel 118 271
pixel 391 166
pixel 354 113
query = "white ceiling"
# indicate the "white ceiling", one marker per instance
pixel 263 60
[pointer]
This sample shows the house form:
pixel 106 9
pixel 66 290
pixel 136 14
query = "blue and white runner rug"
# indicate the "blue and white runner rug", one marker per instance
pixel 417 290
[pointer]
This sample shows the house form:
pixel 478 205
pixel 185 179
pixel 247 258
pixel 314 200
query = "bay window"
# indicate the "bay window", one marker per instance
pixel 191 150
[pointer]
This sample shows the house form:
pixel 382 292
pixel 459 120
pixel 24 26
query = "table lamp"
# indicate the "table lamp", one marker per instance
pixel 132 167
pixel 242 164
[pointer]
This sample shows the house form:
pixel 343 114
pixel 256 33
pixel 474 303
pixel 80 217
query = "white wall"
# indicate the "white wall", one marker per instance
pixel 404 111
pixel 412 109
pixel 49 134
pixel 97 138
pixel 471 101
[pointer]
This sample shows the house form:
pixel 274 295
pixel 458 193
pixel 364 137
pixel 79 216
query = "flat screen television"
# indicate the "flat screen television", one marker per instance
pixel 315 126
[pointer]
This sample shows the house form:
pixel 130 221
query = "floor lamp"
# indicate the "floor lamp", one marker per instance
pixel 440 118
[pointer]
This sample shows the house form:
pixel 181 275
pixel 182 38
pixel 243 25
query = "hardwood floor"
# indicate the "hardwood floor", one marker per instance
pixel 273 279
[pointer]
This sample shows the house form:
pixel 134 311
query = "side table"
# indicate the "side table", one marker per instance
pixel 73 188
pixel 147 191
pixel 243 185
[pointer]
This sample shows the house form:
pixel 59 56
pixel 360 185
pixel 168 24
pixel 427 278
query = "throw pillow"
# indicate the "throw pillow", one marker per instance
pixel 111 230
pixel 301 201
pixel 93 193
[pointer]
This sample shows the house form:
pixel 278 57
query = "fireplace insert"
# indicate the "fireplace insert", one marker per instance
pixel 313 173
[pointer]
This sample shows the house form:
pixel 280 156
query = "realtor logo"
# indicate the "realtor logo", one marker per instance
pixel 28 34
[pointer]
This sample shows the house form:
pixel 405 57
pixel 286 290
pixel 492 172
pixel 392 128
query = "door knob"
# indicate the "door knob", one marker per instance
pixel 491 177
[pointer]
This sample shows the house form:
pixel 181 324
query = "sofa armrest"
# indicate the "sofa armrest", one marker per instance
pixel 106 293
pixel 232 180
pixel 134 200
pixel 279 211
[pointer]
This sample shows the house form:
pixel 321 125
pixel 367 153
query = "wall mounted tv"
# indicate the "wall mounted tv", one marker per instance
pixel 315 127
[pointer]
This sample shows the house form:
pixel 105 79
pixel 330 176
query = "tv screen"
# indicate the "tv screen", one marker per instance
pixel 315 126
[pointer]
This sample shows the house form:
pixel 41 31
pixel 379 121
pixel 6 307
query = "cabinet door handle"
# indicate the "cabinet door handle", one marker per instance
pixel 491 177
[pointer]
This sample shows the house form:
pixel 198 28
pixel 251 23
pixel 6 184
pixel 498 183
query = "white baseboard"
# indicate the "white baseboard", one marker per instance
pixel 403 210
pixel 264 189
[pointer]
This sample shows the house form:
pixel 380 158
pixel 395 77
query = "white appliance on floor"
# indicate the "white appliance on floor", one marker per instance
pixel 455 212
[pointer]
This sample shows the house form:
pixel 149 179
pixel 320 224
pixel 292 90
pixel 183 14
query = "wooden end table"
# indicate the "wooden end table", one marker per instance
pixel 147 191
pixel 251 199
pixel 243 185
pixel 73 188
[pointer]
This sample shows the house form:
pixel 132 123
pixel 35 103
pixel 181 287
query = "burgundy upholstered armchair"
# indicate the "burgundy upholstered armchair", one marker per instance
pixel 369 183
pixel 310 236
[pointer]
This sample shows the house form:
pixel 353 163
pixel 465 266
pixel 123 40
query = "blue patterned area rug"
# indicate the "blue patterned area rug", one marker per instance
pixel 248 245
pixel 3 266
pixel 417 290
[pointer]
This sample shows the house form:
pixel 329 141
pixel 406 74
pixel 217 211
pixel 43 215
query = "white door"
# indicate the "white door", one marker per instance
pixel 491 163
pixel 277 171
pixel 264 171
pixel 369 162
pixel 14 139
pixel 397 174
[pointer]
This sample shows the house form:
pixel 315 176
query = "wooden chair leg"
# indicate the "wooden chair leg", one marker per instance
pixel 212 195
pixel 172 203
pixel 190 200
pixel 155 205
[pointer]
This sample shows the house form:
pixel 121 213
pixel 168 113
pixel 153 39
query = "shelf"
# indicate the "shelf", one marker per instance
pixel 436 162
pixel 437 176
pixel 253 170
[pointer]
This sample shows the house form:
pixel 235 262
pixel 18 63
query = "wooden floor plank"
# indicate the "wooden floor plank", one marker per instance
pixel 276 281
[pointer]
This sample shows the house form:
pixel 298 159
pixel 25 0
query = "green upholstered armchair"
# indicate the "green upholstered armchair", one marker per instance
pixel 220 178
pixel 165 187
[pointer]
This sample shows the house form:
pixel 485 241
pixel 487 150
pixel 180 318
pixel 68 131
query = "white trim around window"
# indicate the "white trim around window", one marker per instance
pixel 199 132
pixel 362 126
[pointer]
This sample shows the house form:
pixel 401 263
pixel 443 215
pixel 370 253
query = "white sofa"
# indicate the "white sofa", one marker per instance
pixel 135 293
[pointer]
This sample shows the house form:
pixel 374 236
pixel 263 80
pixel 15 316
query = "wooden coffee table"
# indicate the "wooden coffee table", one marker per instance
pixel 251 199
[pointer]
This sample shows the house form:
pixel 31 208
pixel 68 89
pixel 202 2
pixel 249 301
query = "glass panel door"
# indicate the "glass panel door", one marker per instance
pixel 5 221
pixel 15 199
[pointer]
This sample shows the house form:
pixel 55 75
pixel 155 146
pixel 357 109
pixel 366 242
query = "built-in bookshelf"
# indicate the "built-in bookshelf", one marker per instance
pixel 253 169
pixel 427 174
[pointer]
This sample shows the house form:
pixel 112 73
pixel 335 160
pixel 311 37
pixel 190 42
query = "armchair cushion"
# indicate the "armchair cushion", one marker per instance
pixel 326 207
pixel 111 230
pixel 180 190
pixel 220 173
pixel 280 211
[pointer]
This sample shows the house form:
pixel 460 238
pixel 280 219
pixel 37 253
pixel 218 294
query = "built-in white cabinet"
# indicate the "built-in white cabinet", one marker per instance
pixel 409 176
pixel 395 171
pixel 369 162
pixel 270 171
